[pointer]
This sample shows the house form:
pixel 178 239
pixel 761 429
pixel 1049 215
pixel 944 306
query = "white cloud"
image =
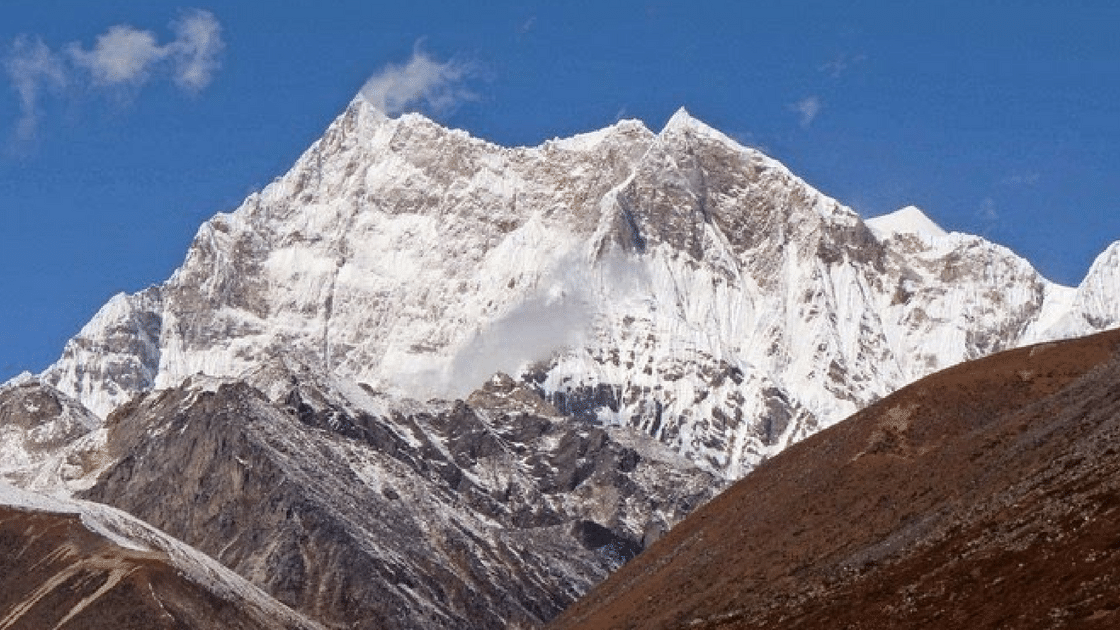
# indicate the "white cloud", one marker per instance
pixel 196 49
pixel 556 317
pixel 121 56
pixel 124 54
pixel 533 331
pixel 437 85
pixel 549 319
pixel 988 211
pixel 32 67
pixel 807 108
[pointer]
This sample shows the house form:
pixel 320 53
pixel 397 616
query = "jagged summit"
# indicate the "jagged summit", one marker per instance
pixel 1094 303
pixel 593 140
pixel 362 102
pixel 681 118
pixel 682 123
pixel 675 282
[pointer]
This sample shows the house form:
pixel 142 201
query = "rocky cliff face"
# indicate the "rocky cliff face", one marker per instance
pixel 675 282
pixel 491 513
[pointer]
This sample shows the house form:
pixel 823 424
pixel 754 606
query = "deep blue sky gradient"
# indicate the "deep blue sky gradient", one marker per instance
pixel 998 118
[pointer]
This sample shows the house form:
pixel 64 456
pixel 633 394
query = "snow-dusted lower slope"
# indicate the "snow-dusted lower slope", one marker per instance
pixel 111 569
pixel 364 512
pixel 674 281
pixel 49 442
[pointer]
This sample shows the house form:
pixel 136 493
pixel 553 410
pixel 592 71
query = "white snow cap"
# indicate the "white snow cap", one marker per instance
pixel 681 120
pixel 908 220
pixel 680 117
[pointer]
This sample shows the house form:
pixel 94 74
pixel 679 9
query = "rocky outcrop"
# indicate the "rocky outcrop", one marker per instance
pixel 48 440
pixel 367 513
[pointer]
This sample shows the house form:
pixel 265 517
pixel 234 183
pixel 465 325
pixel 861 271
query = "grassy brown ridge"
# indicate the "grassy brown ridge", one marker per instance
pixel 983 496
pixel 56 573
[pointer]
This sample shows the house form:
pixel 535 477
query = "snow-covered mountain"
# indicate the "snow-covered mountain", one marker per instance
pixel 317 397
pixel 676 282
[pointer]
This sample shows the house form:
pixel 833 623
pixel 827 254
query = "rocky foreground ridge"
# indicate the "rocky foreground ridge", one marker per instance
pixel 361 511
pixel 75 564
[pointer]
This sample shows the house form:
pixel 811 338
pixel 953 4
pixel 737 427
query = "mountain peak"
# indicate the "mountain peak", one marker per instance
pixel 362 106
pixel 350 263
pixel 592 139
pixel 682 122
pixel 908 220
pixel 681 117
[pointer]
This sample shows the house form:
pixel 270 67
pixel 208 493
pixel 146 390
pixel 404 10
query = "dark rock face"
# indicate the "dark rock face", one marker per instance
pixel 479 514
pixel 595 536
pixel 984 496
pixel 59 574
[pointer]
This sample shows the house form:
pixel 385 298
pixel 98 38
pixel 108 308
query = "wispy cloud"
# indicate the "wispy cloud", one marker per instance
pixel 196 49
pixel 32 67
pixel 841 64
pixel 422 81
pixel 987 211
pixel 126 55
pixel 807 108
pixel 1021 179
pixel 122 56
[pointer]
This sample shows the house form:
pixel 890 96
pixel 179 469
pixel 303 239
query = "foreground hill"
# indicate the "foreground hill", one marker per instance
pixel 73 565
pixel 984 496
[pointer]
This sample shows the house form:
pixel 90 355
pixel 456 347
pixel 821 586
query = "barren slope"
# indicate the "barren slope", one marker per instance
pixel 78 565
pixel 984 496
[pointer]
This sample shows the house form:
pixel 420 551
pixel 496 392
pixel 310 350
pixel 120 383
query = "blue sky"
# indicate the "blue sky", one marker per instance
pixel 125 124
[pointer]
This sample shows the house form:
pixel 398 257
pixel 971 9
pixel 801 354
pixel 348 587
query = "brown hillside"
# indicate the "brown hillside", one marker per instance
pixel 984 496
pixel 56 573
